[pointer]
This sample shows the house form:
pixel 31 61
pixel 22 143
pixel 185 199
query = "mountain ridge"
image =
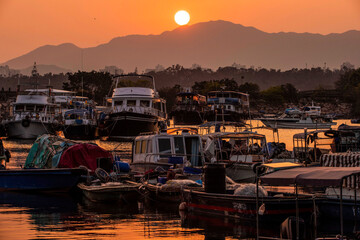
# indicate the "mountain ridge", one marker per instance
pixel 211 44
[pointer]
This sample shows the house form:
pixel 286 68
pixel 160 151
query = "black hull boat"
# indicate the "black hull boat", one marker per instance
pixel 276 208
pixel 124 125
pixel 184 117
pixel 80 132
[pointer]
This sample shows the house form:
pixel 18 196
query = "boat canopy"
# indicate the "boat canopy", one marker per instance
pixel 244 134
pixel 311 176
pixel 83 154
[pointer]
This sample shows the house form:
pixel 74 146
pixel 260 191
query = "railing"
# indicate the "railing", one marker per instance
pixel 142 110
pixel 149 155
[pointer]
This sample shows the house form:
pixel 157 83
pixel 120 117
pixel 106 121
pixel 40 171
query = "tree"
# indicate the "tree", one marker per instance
pixel 251 88
pixel 95 85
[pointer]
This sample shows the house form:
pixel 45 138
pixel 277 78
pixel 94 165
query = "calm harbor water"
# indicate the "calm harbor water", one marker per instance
pixel 65 216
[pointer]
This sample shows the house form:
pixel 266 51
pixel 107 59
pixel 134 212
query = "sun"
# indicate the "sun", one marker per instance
pixel 182 17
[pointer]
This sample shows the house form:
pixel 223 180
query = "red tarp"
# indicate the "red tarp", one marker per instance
pixel 84 154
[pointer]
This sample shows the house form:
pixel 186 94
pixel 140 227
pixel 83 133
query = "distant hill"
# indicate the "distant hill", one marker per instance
pixel 210 44
pixel 43 69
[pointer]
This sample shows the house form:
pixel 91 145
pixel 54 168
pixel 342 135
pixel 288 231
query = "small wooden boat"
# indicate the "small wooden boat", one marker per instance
pixel 126 191
pixel 59 180
pixel 169 192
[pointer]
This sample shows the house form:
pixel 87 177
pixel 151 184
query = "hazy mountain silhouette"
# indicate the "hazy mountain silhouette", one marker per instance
pixel 210 44
pixel 42 69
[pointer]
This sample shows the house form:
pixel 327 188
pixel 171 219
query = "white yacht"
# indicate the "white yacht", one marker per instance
pixel 32 115
pixel 135 108
pixel 164 149
pixel 309 117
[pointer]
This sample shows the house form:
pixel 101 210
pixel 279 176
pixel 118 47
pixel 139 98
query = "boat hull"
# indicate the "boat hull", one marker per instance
pixel 80 132
pixel 276 209
pixel 330 208
pixel 124 125
pixel 55 180
pixel 35 128
pixel 187 117
pixel 111 193
pixel 228 116
pixel 296 124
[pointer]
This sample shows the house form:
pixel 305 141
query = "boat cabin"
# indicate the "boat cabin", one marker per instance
pixel 188 98
pixel 242 147
pixel 160 149
pixel 228 99
pixel 310 146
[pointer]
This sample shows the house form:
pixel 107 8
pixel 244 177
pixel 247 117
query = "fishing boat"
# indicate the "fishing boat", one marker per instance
pixel 135 108
pixel 177 146
pixel 189 109
pixel 80 124
pixel 241 151
pixel 126 191
pixel 32 115
pixel 227 106
pixel 54 164
pixel 309 117
pixel 247 201
pixel 59 180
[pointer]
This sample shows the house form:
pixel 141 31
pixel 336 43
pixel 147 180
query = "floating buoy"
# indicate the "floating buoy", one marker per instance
pixel 182 206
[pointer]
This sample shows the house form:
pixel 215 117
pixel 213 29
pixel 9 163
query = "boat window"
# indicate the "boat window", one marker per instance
pixel 19 108
pixel 143 146
pixel 229 107
pixel 137 147
pixel 144 103
pixel 118 103
pixel 39 108
pixel 192 145
pixel 131 103
pixel 164 147
pixel 149 146
pixel 179 145
pixel 30 107
pixel 157 105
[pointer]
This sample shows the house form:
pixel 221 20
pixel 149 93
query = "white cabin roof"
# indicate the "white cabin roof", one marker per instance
pixel 32 99
pixel 133 92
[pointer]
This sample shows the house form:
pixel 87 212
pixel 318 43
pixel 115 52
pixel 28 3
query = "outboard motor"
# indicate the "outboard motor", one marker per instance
pixel 214 178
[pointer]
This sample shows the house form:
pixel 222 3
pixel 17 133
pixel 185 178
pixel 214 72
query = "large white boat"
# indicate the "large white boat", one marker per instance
pixel 309 117
pixel 32 115
pixel 135 108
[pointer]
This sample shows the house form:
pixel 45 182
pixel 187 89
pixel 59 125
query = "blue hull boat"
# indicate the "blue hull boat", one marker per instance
pixel 54 180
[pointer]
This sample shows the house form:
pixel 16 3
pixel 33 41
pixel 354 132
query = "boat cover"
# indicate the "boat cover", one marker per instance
pixel 83 154
pixel 46 151
pixel 310 176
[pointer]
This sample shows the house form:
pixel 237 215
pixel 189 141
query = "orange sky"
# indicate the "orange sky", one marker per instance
pixel 27 24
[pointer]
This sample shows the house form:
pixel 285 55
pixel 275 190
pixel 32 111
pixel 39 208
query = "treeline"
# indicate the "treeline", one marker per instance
pixel 303 79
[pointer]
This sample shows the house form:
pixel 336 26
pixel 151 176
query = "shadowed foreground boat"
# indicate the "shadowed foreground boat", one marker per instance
pixel 62 179
pixel 111 191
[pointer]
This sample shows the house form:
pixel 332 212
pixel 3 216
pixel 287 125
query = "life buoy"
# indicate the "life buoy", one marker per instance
pixel 25 123
pixel 102 175
pixel 331 133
